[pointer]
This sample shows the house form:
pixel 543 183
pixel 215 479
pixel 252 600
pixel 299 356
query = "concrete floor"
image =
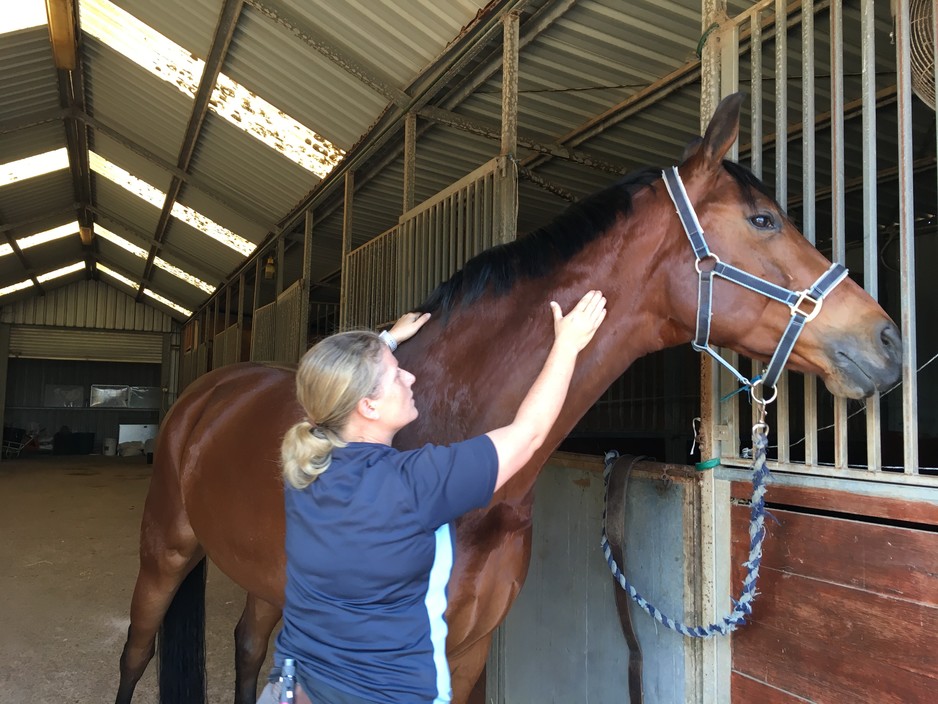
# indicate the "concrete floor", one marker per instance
pixel 69 529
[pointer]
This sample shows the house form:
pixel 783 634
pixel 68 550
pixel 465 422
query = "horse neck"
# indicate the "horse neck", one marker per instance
pixel 474 372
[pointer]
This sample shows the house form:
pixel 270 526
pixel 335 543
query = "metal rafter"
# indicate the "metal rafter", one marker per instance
pixel 24 262
pixel 221 42
pixel 71 83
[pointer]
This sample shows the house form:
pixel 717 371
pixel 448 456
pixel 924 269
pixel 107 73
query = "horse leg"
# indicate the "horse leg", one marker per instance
pixel 169 551
pixel 466 666
pixel 252 635
pixel 157 583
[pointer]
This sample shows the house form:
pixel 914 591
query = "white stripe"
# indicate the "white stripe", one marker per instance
pixel 435 602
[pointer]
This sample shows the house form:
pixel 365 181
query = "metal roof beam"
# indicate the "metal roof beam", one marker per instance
pixel 45 217
pixel 24 262
pixel 460 122
pixel 42 117
pixel 221 42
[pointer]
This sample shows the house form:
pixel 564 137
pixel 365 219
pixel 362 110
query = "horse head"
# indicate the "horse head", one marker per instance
pixel 848 340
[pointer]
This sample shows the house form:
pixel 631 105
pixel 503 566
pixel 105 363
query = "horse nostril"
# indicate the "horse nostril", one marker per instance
pixel 891 339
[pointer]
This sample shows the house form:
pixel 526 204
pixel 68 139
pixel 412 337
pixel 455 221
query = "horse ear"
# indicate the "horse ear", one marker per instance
pixel 722 130
pixel 692 148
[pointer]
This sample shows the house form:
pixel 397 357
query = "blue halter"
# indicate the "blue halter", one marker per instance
pixel 804 305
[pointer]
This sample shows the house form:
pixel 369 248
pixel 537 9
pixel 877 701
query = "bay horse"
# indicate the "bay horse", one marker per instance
pixel 216 490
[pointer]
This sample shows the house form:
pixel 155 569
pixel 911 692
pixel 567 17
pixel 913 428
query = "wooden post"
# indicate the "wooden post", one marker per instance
pixel 506 205
pixel 307 282
pixel 242 281
pixel 346 248
pixel 410 159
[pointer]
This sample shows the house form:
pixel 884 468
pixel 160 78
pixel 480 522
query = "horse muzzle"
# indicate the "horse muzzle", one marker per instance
pixel 865 365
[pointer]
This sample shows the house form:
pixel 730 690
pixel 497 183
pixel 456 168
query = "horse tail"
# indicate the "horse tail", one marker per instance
pixel 182 642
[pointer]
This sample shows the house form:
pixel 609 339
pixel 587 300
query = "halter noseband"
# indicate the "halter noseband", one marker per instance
pixel 804 305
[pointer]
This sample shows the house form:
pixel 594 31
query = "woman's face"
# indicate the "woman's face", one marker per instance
pixel 395 399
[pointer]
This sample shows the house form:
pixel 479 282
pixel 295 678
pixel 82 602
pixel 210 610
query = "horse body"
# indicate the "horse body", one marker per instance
pixel 216 487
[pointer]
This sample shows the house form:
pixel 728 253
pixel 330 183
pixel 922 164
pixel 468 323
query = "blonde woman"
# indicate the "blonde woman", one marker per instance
pixel 369 543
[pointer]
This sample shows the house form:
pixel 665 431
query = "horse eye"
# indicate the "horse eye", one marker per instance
pixel 763 221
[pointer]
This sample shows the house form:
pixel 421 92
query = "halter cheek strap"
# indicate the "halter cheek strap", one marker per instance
pixel 803 305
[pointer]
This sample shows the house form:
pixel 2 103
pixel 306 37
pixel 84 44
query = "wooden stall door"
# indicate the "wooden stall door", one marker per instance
pixel 848 605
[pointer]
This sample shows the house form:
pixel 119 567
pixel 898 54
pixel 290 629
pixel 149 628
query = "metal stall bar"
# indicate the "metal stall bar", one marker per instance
pixel 783 400
pixel 838 229
pixel 870 239
pixel 809 199
pixel 906 241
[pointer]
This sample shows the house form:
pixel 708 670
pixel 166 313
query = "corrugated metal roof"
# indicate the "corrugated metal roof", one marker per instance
pixel 266 59
pixel 141 107
pixel 34 197
pixel 27 76
pixel 596 55
pixel 27 142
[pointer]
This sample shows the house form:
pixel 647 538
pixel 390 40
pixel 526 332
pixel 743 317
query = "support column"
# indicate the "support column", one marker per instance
pixel 307 282
pixel 4 361
pixel 506 207
pixel 346 249
pixel 708 662
pixel 410 160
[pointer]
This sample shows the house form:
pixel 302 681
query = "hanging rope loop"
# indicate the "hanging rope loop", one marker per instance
pixel 742 607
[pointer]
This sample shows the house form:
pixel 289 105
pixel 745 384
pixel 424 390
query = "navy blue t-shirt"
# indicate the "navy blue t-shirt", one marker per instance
pixel 369 553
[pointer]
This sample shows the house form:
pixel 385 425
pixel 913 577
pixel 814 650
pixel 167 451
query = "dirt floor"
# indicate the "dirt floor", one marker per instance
pixel 69 531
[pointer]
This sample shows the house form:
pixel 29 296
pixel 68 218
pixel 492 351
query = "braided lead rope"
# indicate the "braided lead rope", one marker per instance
pixel 741 607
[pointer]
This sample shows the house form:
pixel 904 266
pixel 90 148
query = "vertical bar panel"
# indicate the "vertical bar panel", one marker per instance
pixel 870 239
pixel 783 401
pixel 906 242
pixel 755 118
pixel 838 229
pixel 809 189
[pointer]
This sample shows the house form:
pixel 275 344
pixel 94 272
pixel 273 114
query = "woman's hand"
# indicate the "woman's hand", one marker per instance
pixel 408 325
pixel 576 328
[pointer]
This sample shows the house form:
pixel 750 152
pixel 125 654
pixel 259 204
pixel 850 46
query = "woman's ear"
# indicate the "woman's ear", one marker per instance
pixel 366 407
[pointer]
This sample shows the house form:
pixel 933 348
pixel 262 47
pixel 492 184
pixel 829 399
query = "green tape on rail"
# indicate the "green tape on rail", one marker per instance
pixel 708 464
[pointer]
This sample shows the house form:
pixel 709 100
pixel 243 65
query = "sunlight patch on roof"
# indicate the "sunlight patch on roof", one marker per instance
pixel 22 14
pixel 48 276
pixel 71 268
pixel 166 302
pixel 31 166
pixel 156 198
pixel 115 275
pixel 155 296
pixel 230 100
pixel 56 233
pixel 18 286
pixel 158 261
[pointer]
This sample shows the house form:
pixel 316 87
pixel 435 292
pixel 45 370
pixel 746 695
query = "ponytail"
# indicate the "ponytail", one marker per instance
pixel 331 379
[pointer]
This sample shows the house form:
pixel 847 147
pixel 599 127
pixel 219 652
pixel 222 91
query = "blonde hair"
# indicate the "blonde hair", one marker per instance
pixel 332 377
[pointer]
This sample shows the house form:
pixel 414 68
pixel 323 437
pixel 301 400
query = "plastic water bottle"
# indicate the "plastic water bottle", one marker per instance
pixel 287 681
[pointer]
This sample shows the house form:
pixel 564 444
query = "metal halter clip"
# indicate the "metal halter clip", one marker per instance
pixel 805 296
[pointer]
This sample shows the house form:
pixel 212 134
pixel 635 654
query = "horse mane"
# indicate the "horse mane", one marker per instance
pixel 541 252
